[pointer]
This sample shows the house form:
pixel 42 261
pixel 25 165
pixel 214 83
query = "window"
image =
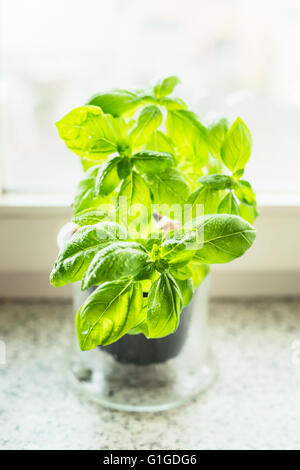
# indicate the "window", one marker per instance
pixel 234 57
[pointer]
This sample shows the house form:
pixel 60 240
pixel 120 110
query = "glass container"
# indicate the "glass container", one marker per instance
pixel 140 374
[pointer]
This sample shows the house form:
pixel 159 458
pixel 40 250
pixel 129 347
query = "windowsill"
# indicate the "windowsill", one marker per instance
pixel 23 205
pixel 253 405
pixel 60 204
pixel 28 248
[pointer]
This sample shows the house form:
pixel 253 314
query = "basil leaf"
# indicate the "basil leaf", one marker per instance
pixel 160 142
pixel 180 248
pixel 238 174
pixel 168 187
pixel 246 195
pixel 85 198
pixel 248 212
pixel 186 290
pixel 107 177
pixel 244 192
pixel 153 239
pixel 193 270
pixel 199 272
pixel 191 169
pixel 148 161
pixel 87 164
pixel 92 217
pixel 217 181
pixel 173 104
pixel 133 190
pixel 166 86
pixel 149 120
pixel 124 168
pixel 229 205
pixel 116 261
pixel 89 133
pixel 74 258
pixel 181 272
pixel 164 307
pixel 109 313
pixel 116 102
pixel 216 134
pixel 237 146
pixel 187 133
pixel 225 237
pixel 203 196
pixel 214 165
pixel 139 329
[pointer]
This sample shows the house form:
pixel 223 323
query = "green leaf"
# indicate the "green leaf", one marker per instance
pixel 217 181
pixel 248 212
pixel 92 217
pixel 214 165
pixel 187 133
pixel 186 290
pixel 116 102
pixel 107 177
pixel 244 192
pixel 133 191
pixel 109 313
pixel 193 270
pixel 199 272
pixel 149 120
pixel 166 86
pixel 173 104
pixel 179 249
pixel 181 272
pixel 238 174
pixel 192 170
pixel 164 307
pixel 225 237
pixel 154 238
pixel 85 198
pixel 203 200
pixel 124 168
pixel 148 161
pixel 116 261
pixel 229 205
pixel 160 142
pixel 237 146
pixel 215 134
pixel 74 258
pixel 246 195
pixel 139 329
pixel 87 164
pixel 90 133
pixel 169 187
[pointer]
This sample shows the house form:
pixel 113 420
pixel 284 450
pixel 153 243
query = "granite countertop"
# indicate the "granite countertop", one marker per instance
pixel 254 403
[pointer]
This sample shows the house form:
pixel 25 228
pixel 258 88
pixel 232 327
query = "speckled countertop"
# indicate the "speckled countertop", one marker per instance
pixel 254 403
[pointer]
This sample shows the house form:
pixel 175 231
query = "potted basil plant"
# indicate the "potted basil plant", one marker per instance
pixel 162 198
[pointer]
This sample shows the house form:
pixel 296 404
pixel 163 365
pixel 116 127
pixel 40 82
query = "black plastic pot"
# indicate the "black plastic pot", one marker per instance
pixel 138 350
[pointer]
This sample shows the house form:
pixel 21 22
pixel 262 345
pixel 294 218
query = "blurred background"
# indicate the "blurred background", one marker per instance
pixel 234 57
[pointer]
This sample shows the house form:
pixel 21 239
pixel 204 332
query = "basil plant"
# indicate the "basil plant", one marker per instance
pixel 146 159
